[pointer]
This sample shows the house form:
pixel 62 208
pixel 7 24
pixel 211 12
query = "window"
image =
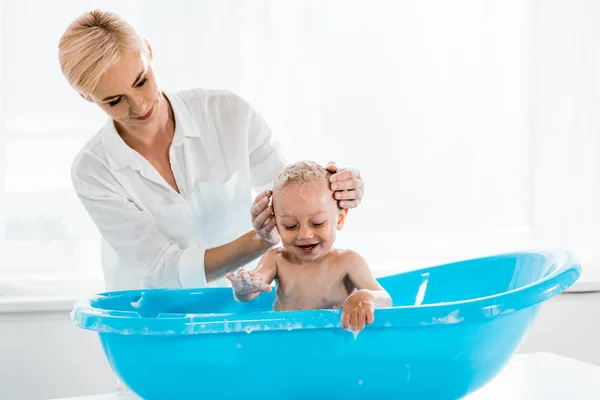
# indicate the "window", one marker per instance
pixel 474 123
pixel 428 99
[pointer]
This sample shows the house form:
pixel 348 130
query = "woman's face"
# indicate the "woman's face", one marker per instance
pixel 128 92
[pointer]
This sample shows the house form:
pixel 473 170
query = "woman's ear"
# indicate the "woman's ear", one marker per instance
pixel 342 212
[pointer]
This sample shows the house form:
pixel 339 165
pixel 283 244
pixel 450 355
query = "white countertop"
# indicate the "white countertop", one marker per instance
pixel 539 376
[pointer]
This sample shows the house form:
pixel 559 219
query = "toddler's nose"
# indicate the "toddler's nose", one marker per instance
pixel 305 233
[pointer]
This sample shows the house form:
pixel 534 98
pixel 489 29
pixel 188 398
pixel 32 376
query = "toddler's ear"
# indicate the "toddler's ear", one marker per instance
pixel 342 212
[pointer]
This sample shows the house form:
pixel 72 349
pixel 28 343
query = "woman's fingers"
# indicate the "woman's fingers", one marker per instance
pixel 347 195
pixel 350 183
pixel 349 204
pixel 260 203
pixel 345 174
pixel 262 218
pixel 269 225
pixel 260 213
pixel 265 194
pixel 348 187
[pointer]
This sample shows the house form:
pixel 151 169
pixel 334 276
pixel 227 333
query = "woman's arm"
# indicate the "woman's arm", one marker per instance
pixel 218 261
pixel 138 242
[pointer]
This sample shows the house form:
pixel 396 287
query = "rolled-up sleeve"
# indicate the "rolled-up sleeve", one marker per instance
pixel 135 237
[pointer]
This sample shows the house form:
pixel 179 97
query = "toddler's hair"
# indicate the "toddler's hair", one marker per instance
pixel 302 171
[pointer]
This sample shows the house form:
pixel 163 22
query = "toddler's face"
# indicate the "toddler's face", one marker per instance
pixel 307 218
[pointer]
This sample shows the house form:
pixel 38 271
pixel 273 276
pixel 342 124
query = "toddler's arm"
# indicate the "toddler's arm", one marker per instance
pixel 359 306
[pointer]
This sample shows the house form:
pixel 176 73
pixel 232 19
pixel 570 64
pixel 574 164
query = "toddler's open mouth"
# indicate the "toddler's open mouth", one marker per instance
pixel 308 248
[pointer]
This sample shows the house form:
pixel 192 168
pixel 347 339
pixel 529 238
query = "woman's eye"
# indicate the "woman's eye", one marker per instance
pixel 114 102
pixel 291 228
pixel 142 82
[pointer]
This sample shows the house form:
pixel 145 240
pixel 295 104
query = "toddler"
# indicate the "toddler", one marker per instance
pixel 310 272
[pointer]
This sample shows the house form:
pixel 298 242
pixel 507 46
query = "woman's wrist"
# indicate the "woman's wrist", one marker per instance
pixel 267 242
pixel 220 260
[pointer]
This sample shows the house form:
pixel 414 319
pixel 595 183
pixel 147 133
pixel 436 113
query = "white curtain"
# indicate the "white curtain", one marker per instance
pixel 474 123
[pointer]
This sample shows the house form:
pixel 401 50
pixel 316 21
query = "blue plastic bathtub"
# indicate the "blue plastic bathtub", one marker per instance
pixel 452 328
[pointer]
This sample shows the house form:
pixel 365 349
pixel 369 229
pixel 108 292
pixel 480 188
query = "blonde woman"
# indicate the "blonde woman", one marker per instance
pixel 168 179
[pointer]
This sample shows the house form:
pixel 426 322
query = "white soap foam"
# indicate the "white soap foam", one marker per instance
pixel 451 318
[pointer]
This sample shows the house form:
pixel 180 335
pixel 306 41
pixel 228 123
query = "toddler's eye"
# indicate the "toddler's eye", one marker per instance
pixel 291 228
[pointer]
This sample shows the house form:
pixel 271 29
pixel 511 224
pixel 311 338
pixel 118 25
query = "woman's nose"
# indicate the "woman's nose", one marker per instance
pixel 138 107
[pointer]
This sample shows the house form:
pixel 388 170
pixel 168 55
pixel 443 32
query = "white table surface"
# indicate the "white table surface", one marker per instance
pixel 538 376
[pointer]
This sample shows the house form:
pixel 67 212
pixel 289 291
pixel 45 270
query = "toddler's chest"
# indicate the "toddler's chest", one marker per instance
pixel 311 288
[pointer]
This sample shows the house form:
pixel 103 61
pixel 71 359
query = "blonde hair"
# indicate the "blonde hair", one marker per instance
pixel 91 44
pixel 303 171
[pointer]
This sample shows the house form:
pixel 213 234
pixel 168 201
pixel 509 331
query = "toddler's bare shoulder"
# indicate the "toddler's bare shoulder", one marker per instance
pixel 349 259
pixel 276 255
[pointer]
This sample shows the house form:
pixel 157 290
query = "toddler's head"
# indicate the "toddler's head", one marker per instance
pixel 306 212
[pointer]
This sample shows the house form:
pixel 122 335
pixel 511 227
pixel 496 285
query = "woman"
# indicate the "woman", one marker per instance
pixel 168 179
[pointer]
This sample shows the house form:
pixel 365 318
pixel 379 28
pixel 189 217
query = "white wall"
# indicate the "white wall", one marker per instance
pixel 565 122
pixel 45 356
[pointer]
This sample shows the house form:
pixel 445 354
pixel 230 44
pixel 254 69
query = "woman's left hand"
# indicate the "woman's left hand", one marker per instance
pixel 347 185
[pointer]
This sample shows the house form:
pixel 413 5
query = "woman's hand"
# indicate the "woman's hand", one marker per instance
pixel 347 185
pixel 359 310
pixel 245 283
pixel 263 219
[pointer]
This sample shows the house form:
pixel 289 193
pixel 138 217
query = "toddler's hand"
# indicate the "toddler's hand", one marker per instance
pixel 244 283
pixel 358 310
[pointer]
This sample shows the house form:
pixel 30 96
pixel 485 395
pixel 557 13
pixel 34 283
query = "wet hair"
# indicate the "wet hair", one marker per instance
pixel 302 171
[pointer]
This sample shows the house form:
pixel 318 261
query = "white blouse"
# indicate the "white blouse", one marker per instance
pixel 153 236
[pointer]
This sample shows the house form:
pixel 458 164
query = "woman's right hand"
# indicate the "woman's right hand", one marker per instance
pixel 263 219
pixel 245 283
